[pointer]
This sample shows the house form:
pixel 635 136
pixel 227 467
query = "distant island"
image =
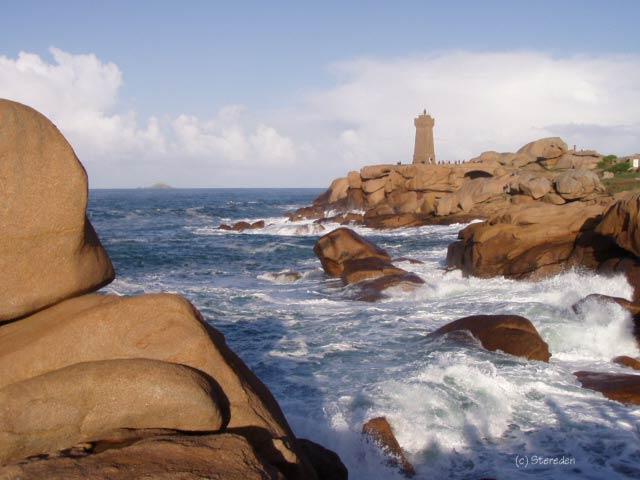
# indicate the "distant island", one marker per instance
pixel 160 186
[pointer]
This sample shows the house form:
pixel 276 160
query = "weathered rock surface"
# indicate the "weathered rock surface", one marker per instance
pixel 512 334
pixel 545 148
pixel 578 184
pixel 224 456
pixel 528 241
pixel 342 245
pixel 97 400
pixel 394 196
pixel 345 254
pixel 379 431
pixel 160 327
pixel 48 248
pixel 622 223
pixel 624 388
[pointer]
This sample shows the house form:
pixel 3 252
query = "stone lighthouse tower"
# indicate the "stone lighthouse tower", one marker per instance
pixel 424 151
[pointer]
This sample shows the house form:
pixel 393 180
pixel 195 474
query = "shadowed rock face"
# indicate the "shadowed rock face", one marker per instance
pixel 326 463
pixel 380 432
pixel 48 249
pixel 623 388
pixel 621 222
pixel 99 400
pixel 512 334
pixel 223 456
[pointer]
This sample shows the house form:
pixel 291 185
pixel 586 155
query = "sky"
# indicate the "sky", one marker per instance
pixel 294 94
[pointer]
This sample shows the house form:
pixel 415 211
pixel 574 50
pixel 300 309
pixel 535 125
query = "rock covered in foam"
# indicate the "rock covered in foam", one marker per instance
pixel 624 388
pixel 48 249
pixel 379 431
pixel 511 334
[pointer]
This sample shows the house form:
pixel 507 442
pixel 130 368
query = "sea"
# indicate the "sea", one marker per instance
pixel 332 362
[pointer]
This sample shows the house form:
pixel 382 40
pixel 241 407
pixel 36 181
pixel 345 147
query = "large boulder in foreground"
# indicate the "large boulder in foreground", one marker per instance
pixel 160 327
pixel 101 400
pixel 622 223
pixel 48 249
pixel 512 334
pixel 624 388
pixel 223 456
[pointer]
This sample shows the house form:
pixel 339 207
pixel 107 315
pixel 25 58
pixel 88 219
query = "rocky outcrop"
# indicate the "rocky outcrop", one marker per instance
pixel 511 334
pixel 194 457
pixel 87 381
pixel 345 254
pixel 394 196
pixel 379 431
pixel 48 248
pixel 527 242
pixel 623 388
pixel 94 401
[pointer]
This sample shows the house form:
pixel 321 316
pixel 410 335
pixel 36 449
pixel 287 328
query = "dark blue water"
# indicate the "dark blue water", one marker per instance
pixel 332 362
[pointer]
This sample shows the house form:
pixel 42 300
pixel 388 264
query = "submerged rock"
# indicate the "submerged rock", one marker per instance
pixel 627 361
pixel 624 388
pixel 242 226
pixel 511 334
pixel 379 431
pixel 48 249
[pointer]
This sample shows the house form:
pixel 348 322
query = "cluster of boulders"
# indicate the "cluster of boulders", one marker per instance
pixel 346 255
pixel 102 386
pixel 390 196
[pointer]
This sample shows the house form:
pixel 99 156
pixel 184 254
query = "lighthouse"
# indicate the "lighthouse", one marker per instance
pixel 424 151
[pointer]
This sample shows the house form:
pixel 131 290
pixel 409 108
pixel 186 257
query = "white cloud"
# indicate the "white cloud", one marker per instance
pixel 480 101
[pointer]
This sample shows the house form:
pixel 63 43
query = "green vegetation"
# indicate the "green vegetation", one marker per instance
pixel 623 177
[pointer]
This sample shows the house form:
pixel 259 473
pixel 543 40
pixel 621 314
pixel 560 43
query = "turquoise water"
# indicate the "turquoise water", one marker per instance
pixel 332 362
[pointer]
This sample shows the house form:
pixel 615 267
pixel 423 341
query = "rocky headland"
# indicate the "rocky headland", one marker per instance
pixel 110 387
pixel 538 212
